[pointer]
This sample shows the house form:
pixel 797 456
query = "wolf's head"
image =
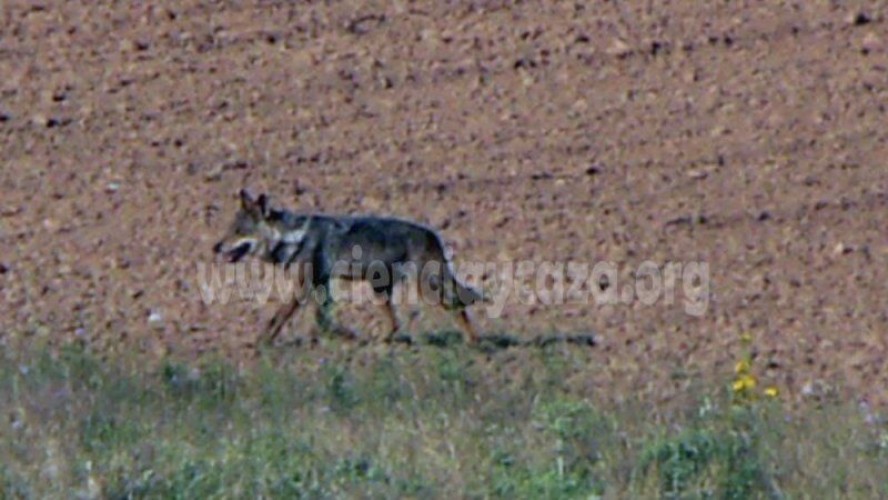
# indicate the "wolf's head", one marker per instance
pixel 253 231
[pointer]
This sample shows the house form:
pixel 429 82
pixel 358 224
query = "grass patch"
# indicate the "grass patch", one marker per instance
pixel 431 423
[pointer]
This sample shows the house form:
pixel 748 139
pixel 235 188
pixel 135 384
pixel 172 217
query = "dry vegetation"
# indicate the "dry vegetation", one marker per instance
pixel 423 423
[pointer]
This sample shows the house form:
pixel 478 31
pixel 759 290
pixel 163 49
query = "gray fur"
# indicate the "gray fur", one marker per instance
pixel 382 250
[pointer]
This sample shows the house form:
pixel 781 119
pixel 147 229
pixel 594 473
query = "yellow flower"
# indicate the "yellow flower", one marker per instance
pixel 772 392
pixel 742 367
pixel 746 338
pixel 745 383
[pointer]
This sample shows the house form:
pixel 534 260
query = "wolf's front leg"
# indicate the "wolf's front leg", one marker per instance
pixel 280 318
pixel 393 317
pixel 324 318
pixel 286 312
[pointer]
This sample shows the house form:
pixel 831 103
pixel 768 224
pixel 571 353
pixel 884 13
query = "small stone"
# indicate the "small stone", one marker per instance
pixel 580 105
pixel 871 43
pixel 860 19
pixel 370 203
pixel 619 48
pixel 155 319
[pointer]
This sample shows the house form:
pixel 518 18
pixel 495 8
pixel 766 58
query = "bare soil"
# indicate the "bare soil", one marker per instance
pixel 746 135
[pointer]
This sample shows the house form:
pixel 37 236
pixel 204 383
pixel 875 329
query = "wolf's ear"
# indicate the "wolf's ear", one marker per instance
pixel 251 206
pixel 262 202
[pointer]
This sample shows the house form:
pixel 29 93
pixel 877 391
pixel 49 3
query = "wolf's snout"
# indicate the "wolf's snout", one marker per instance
pixel 233 253
pixel 239 252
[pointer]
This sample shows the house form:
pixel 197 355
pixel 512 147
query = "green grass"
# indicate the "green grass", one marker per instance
pixel 429 423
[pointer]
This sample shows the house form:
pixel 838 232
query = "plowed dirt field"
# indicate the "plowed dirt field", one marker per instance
pixel 746 135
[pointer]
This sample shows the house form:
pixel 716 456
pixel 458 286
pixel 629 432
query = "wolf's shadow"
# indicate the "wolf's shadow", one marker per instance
pixel 496 341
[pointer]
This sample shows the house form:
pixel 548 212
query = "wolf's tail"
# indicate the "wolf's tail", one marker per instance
pixel 455 292
pixel 459 294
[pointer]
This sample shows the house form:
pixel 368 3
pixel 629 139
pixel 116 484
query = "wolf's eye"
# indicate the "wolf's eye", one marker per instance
pixel 242 227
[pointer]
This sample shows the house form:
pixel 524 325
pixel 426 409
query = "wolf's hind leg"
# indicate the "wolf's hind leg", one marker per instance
pixel 456 297
pixel 387 294
pixel 467 325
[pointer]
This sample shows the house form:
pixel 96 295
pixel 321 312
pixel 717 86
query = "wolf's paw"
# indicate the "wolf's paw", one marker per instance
pixel 444 338
pixel 345 332
pixel 399 338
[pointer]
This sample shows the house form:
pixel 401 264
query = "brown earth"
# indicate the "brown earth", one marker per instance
pixel 747 135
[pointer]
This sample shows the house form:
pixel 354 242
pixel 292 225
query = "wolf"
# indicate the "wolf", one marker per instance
pixel 384 251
